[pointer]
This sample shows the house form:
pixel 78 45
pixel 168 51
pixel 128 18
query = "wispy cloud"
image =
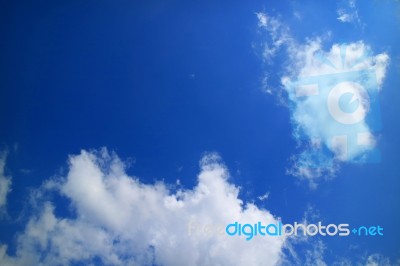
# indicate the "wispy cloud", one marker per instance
pixel 264 197
pixel 378 260
pixel 5 182
pixel 368 259
pixel 278 35
pixel 121 221
pixel 348 13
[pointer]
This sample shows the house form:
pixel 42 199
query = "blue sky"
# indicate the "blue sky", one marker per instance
pixel 164 85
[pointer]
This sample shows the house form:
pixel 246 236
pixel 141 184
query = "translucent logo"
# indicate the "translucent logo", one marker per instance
pixel 345 104
pixel 249 231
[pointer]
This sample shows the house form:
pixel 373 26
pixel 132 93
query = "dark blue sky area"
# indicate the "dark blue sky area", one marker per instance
pixel 162 83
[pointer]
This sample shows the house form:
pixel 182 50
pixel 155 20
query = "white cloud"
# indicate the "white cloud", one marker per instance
pixel 377 260
pixel 310 81
pixel 5 182
pixel 343 16
pixel 122 221
pixel 264 197
pixel 315 256
pixel 311 60
pixel 277 34
pixel 313 81
pixel 348 13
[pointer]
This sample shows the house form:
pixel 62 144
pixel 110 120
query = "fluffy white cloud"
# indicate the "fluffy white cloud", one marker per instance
pixel 318 85
pixel 310 59
pixel 122 221
pixel 5 182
